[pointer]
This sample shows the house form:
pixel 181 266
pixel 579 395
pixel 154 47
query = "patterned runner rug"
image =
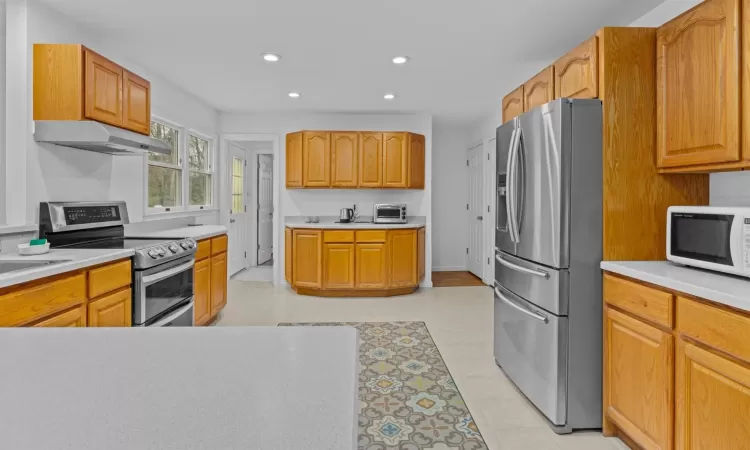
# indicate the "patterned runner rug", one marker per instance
pixel 408 398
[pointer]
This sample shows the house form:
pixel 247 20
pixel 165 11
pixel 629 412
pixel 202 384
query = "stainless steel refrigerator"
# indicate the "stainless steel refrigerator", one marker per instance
pixel 548 247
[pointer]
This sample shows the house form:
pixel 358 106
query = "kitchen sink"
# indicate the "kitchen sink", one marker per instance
pixel 13 266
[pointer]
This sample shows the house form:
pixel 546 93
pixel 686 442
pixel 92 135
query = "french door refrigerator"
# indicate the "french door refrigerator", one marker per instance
pixel 548 247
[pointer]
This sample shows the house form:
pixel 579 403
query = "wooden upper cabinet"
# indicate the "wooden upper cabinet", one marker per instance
pixel 371 160
pixel 698 85
pixel 316 159
pixel 338 266
pixel 294 160
pixel 395 160
pixel 712 400
pixel 638 389
pixel 576 74
pixel 344 155
pixel 136 108
pixel 416 161
pixel 540 89
pixel 307 257
pixel 402 250
pixel 513 104
pixel 103 87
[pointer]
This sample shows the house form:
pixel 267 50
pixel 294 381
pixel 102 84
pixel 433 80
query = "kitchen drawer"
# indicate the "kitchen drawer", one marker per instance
pixel 650 304
pixel 344 236
pixel 37 301
pixel 371 236
pixel 204 249
pixel 717 327
pixel 76 317
pixel 219 244
pixel 109 278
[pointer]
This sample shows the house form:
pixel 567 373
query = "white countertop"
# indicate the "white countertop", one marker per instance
pixel 720 288
pixel 179 388
pixel 196 232
pixel 329 222
pixel 74 259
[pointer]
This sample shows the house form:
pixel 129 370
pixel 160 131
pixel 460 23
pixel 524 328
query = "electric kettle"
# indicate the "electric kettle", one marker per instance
pixel 347 215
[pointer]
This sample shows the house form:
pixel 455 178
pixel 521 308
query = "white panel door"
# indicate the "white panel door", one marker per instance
pixel 265 208
pixel 239 218
pixel 476 210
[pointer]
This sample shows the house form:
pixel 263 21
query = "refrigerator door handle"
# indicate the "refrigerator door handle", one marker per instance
pixel 507 301
pixel 510 193
pixel 516 156
pixel 510 265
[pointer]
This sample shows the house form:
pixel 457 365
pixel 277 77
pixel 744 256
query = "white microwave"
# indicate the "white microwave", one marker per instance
pixel 714 238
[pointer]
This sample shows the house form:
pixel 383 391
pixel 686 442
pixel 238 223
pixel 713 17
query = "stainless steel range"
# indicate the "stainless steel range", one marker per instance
pixel 162 268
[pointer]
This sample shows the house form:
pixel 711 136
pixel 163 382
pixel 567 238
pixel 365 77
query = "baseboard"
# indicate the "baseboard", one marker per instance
pixel 449 268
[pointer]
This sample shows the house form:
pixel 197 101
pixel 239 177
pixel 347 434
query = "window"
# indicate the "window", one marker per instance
pixel 166 173
pixel 238 184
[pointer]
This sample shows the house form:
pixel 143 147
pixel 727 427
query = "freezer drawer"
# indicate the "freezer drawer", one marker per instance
pixel 545 287
pixel 531 346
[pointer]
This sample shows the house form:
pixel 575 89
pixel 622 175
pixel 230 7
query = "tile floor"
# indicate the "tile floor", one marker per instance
pixel 460 321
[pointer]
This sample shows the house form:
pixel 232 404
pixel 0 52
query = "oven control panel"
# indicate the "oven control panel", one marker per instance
pixel 80 215
pixel 161 253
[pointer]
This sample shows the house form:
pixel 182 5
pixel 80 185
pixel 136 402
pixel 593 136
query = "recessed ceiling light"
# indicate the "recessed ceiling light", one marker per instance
pixel 294 94
pixel 401 60
pixel 271 57
pixel 389 96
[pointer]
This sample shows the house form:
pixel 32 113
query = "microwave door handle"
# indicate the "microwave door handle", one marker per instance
pixel 509 193
pixel 155 278
pixel 508 302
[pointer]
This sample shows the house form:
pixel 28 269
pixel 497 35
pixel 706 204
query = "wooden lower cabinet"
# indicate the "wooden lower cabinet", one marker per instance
pixel 73 318
pixel 218 282
pixel 403 257
pixel 638 369
pixel 307 255
pixel 338 266
pixel 682 385
pixel 112 310
pixel 202 287
pixel 371 265
pixel 713 400
pixel 288 236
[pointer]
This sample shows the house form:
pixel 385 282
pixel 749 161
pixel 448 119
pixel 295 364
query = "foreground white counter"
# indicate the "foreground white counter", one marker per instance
pixel 179 388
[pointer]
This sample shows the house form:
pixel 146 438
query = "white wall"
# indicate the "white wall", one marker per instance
pixel 54 173
pixel 664 13
pixel 293 202
pixel 449 197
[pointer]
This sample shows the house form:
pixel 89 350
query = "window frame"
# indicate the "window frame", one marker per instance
pixel 184 168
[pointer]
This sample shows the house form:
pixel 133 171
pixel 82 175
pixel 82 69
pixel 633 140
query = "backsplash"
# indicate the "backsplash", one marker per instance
pixel 730 189
pixel 9 242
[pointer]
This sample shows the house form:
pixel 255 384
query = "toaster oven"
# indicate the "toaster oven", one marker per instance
pixel 389 213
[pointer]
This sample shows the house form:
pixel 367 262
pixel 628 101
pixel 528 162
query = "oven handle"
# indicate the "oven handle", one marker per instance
pixel 174 315
pixel 151 279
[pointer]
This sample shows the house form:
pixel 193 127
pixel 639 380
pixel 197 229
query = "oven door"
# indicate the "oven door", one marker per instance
pixel 162 289
pixel 181 317
pixel 388 214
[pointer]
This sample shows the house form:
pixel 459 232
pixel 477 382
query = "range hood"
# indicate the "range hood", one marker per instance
pixel 96 137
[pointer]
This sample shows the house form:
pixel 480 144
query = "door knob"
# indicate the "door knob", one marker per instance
pixel 232 220
pixel 480 218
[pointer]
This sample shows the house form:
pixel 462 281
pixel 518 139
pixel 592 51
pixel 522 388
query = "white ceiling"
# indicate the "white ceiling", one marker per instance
pixel 466 54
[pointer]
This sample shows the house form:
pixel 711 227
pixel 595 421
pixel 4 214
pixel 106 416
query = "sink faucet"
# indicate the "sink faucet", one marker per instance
pixel 356 214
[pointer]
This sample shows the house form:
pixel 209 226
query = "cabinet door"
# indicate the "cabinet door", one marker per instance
pixel 370 267
pixel 103 85
pixel 73 318
pixel 713 400
pixel 416 161
pixel 638 370
pixel 403 257
pixel 136 109
pixel 307 255
pixel 113 310
pixel 288 255
pixel 316 159
pixel 577 73
pixel 294 160
pixel 420 253
pixel 540 89
pixel 395 160
pixel 513 104
pixel 344 153
pixel 371 160
pixel 697 102
pixel 338 266
pixel 218 282
pixel 202 291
